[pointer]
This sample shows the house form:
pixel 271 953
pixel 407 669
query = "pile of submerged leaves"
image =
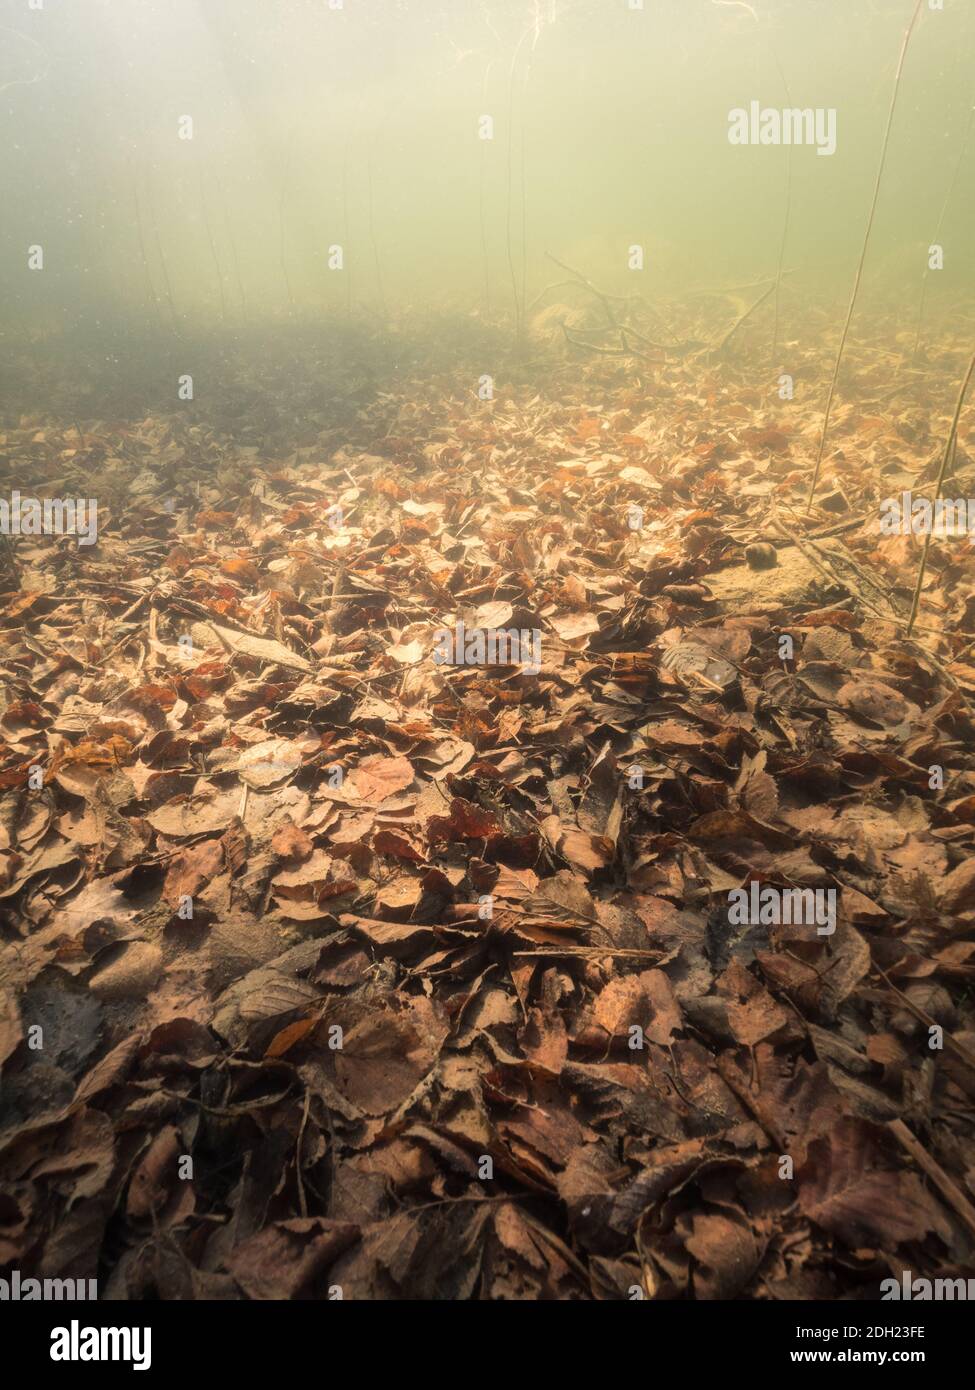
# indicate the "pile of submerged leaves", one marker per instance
pixel 329 967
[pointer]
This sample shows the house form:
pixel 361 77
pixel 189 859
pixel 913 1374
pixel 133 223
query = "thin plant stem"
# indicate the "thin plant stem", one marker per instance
pixel 482 205
pixel 787 216
pixel 510 134
pixel 946 456
pixel 161 253
pixel 863 253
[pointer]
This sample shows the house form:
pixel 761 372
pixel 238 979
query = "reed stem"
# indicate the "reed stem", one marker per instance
pixel 946 456
pixel 863 253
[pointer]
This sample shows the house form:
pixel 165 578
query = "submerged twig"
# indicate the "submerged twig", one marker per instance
pixel 603 298
pixel 939 482
pixel 482 207
pixel 719 349
pixel 787 215
pixel 863 253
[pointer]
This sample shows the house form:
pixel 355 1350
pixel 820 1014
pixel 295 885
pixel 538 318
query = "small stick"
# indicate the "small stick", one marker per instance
pixel 519 307
pixel 161 254
pixel 482 209
pixel 952 1044
pixel 152 658
pixel 948 1188
pixel 133 608
pixel 949 451
pixel 741 319
pixel 788 212
pixel 603 299
pixel 328 615
pixel 752 1102
pixel 863 253
pixel 592 951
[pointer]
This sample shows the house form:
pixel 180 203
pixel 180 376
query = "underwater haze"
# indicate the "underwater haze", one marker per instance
pixel 205 163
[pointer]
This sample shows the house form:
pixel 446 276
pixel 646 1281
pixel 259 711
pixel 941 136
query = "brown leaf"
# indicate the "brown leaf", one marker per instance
pixel 291 842
pixel 378 778
pixel 849 1187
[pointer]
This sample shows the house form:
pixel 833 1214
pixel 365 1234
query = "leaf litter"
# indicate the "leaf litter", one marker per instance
pixel 338 954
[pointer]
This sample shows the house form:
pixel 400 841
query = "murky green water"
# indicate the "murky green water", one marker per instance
pixel 209 164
